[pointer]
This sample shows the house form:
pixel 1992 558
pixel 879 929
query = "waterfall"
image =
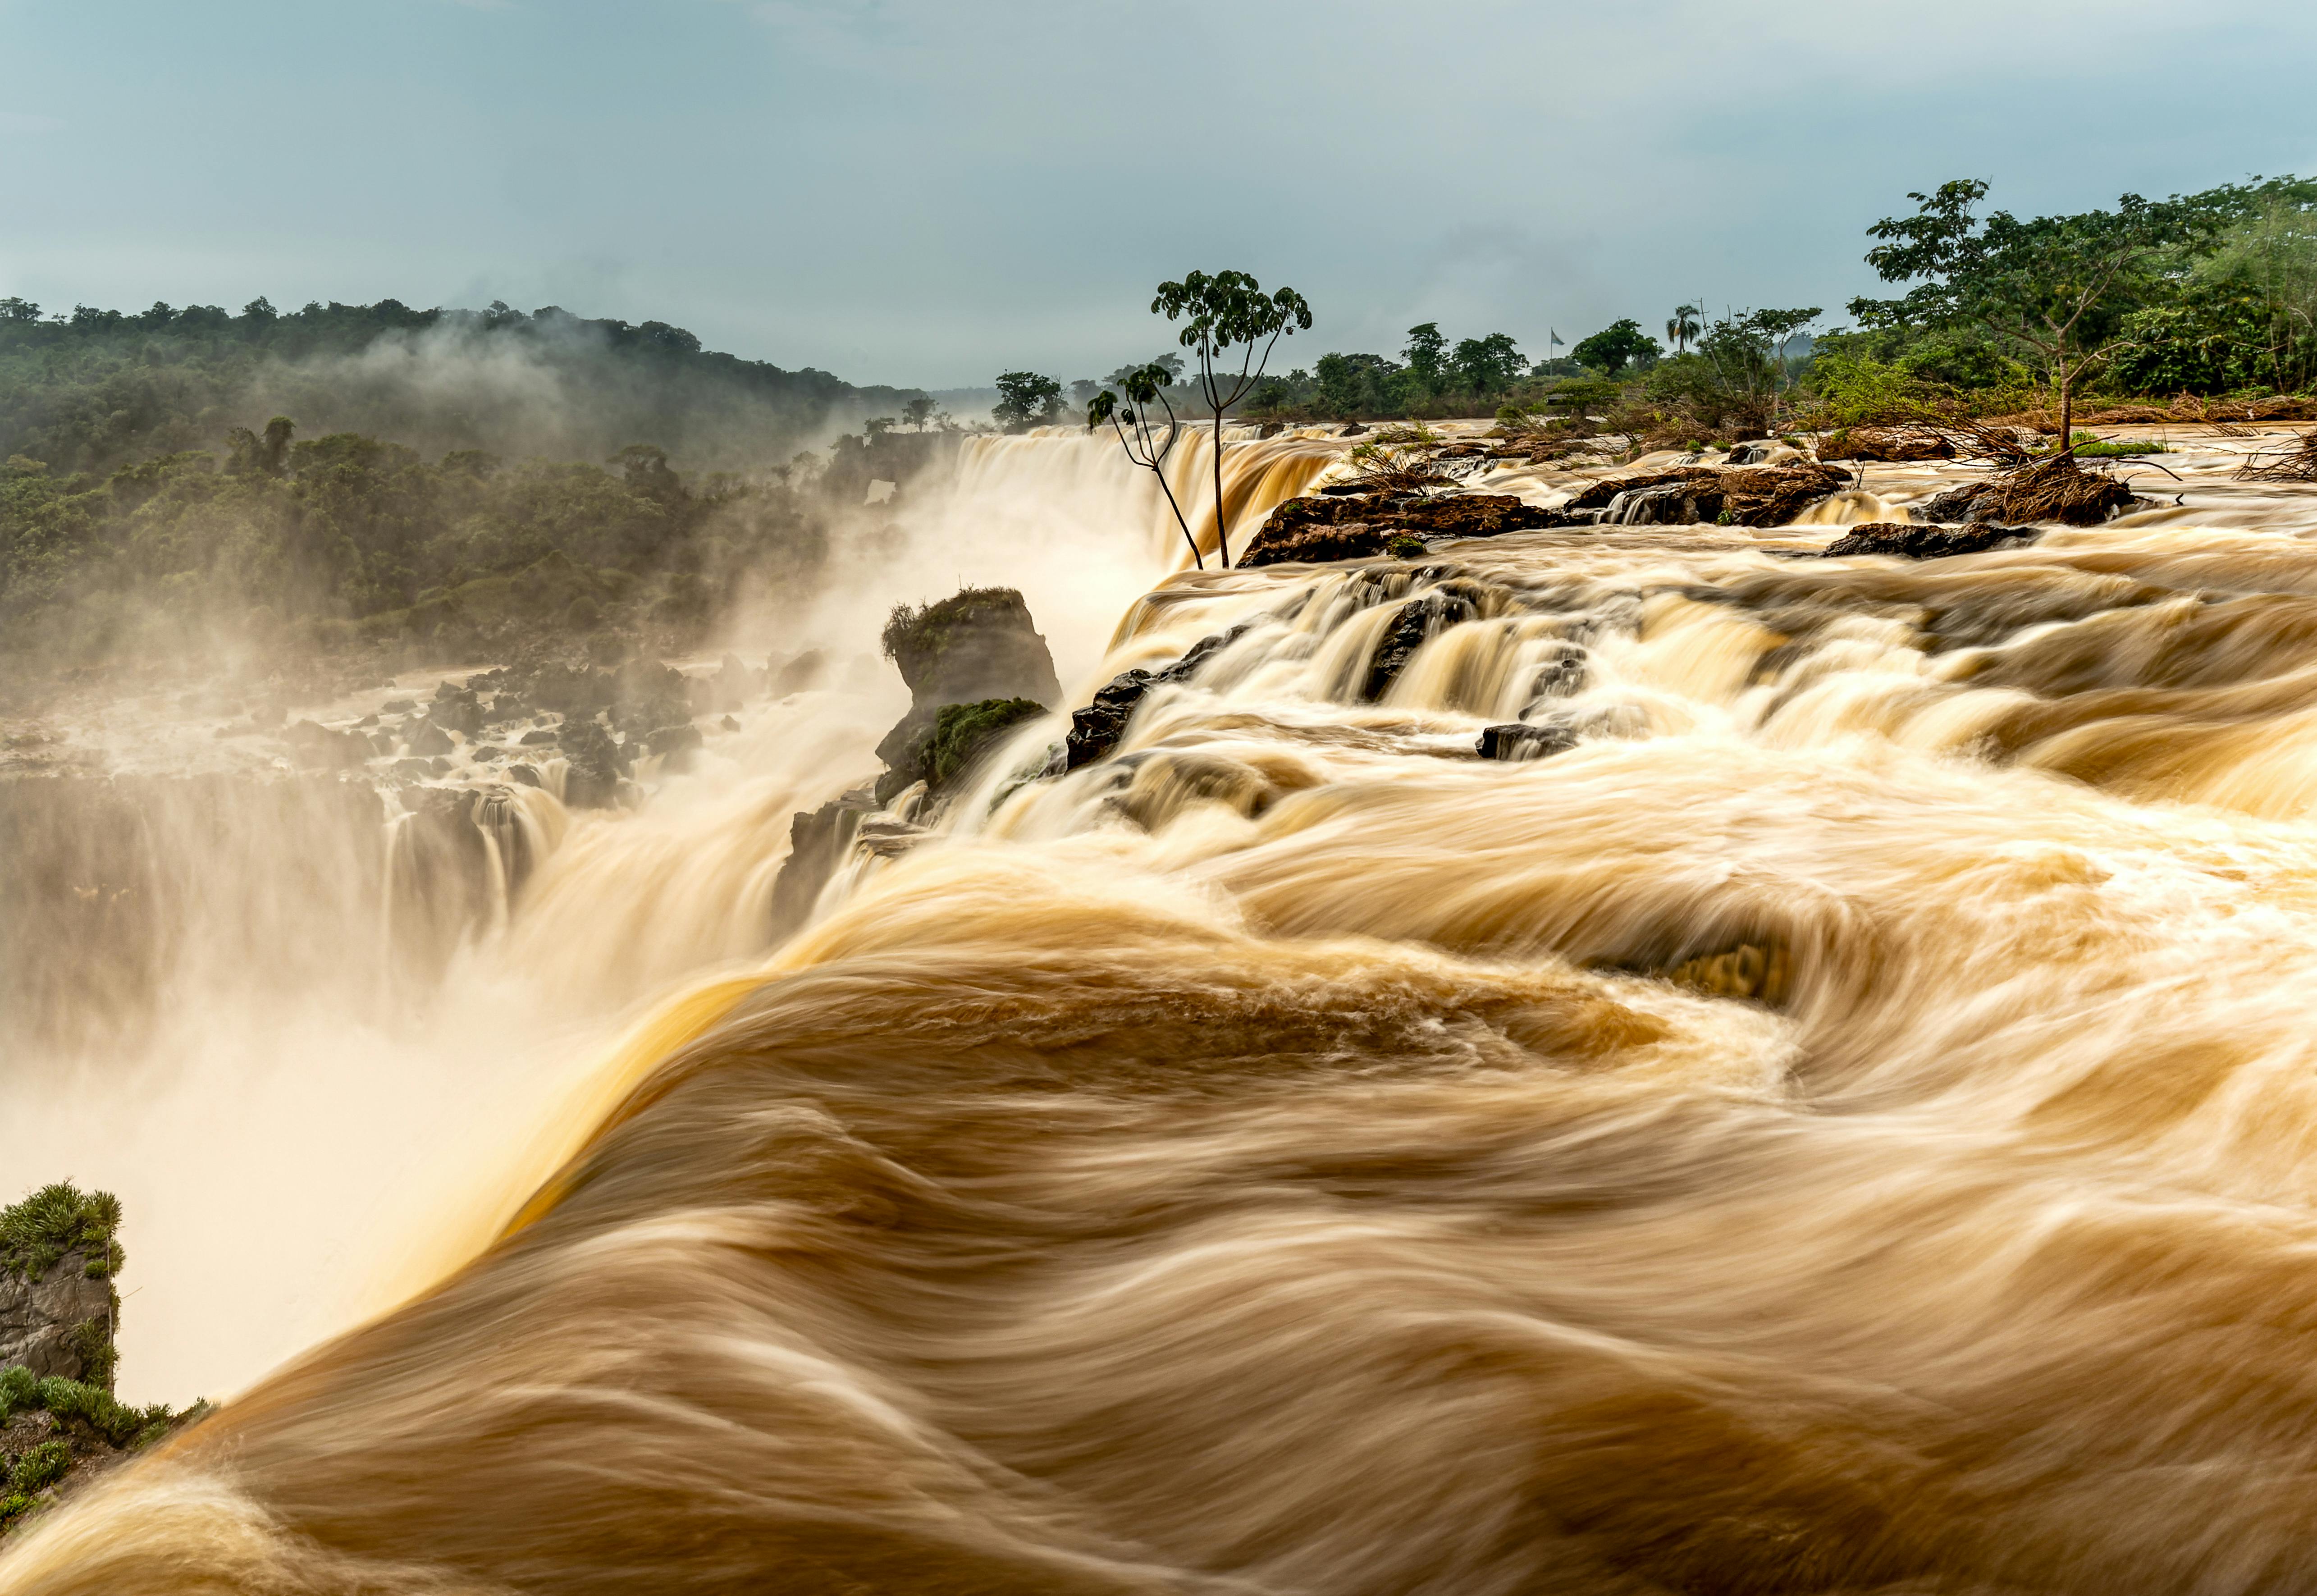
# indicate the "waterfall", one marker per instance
pixel 1835 1113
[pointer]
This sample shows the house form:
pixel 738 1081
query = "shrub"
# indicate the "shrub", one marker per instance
pixel 39 1467
pixel 53 1221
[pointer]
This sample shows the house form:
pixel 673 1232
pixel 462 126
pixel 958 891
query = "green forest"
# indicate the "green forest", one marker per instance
pixel 431 477
pixel 91 389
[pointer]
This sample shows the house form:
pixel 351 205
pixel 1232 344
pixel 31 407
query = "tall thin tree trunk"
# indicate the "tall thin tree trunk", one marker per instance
pixel 1223 527
pixel 2067 407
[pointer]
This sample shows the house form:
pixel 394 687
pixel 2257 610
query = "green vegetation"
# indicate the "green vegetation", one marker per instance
pixel 58 1219
pixel 1611 349
pixel 85 1415
pixel 96 390
pixel 1025 400
pixel 2053 288
pixel 348 539
pixel 962 730
pixel 2091 446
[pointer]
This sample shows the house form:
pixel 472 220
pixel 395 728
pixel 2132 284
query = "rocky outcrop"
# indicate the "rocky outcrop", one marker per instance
pixel 1419 620
pixel 1915 540
pixel 1681 496
pixel 1096 728
pixel 979 643
pixel 949 742
pixel 1332 526
pixel 1520 740
pixel 818 843
pixel 2056 490
pixel 57 1258
pixel 1888 443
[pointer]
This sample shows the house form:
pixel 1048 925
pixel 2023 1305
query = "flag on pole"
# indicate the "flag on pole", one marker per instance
pixel 1556 338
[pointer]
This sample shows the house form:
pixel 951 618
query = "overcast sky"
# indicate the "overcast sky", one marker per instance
pixel 924 193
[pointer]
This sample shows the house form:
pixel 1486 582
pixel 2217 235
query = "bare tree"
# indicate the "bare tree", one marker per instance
pixel 1137 431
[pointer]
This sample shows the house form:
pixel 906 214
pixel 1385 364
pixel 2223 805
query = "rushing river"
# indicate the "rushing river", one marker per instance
pixel 1848 1123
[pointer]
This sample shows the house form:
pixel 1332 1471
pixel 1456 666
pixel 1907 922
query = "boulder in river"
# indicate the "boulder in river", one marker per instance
pixel 1418 622
pixel 1918 541
pixel 978 643
pixel 1523 740
pixel 818 842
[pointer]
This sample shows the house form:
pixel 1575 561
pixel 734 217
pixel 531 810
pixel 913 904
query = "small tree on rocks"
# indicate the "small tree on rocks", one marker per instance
pixel 1220 313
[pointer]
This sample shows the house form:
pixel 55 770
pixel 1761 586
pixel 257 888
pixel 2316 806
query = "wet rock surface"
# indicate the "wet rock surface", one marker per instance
pixel 1346 525
pixel 818 842
pixel 1746 496
pixel 1095 730
pixel 1418 622
pixel 1520 740
pixel 1918 541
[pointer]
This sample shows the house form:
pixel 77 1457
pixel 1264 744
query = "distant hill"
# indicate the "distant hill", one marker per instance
pixel 100 389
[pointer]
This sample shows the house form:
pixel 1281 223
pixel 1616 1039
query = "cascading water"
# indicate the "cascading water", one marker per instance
pixel 1839 1120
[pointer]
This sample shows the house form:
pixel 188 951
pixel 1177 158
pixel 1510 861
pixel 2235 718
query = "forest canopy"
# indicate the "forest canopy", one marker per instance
pixel 91 389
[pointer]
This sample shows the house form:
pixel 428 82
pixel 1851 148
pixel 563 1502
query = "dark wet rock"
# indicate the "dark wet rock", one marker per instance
pixel 396 706
pixel 2051 490
pixel 414 769
pixel 427 738
pixel 1520 740
pixel 647 694
pixel 818 843
pixel 1354 430
pixel 544 737
pixel 729 724
pixel 1316 545
pixel 319 747
pixel 1915 541
pixel 799 673
pixel 1748 454
pixel 1095 730
pixel 669 739
pixel 1336 526
pixel 736 683
pixel 524 775
pixel 58 1321
pixel 596 765
pixel 1418 622
pixel 1668 504
pixel 1271 429
pixel 1563 676
pixel 570 690
pixel 1750 495
pixel 486 753
pixel 977 644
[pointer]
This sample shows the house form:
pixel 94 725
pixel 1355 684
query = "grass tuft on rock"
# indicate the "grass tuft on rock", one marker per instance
pixel 55 1220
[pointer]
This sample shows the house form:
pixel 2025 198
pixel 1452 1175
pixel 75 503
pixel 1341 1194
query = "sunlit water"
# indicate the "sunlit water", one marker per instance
pixel 1846 1125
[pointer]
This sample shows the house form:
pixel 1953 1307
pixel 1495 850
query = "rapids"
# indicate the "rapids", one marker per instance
pixel 1848 1123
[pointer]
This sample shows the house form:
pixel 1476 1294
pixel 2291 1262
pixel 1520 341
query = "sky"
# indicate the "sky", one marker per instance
pixel 927 193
